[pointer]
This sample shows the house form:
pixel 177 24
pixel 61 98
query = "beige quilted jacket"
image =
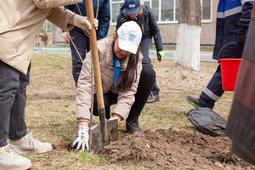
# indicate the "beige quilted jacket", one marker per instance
pixel 84 89
pixel 20 24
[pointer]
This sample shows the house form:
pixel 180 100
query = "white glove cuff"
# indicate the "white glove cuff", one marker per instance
pixel 74 20
pixel 83 129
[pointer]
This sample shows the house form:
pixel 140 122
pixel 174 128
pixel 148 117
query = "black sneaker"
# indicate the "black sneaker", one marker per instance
pixel 194 101
pixel 132 126
pixel 153 98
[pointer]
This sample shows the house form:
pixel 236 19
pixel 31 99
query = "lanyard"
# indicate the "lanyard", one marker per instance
pixel 116 63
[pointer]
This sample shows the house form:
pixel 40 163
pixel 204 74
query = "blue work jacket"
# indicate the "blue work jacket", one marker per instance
pixel 147 22
pixel 101 10
pixel 233 18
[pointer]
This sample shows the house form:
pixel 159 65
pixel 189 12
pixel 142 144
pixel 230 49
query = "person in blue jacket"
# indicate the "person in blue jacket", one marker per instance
pixel 131 10
pixel 80 37
pixel 233 19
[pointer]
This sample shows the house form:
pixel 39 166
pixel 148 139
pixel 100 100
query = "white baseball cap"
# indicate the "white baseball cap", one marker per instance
pixel 130 35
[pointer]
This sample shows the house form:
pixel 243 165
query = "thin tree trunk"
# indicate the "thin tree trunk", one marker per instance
pixel 188 38
pixel 57 38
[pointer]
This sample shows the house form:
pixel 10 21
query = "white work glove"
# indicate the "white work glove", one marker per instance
pixel 83 23
pixel 96 23
pixel 82 139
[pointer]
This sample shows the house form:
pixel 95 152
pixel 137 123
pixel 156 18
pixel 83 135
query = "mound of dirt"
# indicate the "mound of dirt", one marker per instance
pixel 171 148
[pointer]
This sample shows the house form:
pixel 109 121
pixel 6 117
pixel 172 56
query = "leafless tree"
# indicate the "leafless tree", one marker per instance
pixel 188 38
pixel 58 37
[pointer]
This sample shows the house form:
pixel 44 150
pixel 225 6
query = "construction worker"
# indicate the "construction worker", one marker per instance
pixel 232 23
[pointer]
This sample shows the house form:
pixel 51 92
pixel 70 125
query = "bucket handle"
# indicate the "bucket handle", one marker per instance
pixel 224 46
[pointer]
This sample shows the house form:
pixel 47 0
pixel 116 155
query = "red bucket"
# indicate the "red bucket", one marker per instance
pixel 229 71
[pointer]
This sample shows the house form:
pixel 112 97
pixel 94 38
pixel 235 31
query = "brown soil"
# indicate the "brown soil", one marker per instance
pixel 171 148
pixel 168 140
pixel 176 147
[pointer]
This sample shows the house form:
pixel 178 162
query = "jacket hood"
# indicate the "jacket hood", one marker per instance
pixel 122 8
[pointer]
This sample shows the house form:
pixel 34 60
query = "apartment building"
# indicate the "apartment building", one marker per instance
pixel 167 12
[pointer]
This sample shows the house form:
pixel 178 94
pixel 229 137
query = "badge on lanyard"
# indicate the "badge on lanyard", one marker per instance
pixel 116 63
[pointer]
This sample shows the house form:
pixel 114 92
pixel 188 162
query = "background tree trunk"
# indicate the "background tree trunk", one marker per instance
pixel 188 38
pixel 57 37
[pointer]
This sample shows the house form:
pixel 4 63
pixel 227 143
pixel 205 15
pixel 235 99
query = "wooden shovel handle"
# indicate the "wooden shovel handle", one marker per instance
pixel 94 53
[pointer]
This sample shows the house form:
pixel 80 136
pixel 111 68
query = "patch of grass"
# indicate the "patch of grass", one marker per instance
pixel 71 122
pixel 207 49
pixel 58 66
pixel 67 138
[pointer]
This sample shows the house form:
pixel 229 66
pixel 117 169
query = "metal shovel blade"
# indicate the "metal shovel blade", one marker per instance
pixel 100 140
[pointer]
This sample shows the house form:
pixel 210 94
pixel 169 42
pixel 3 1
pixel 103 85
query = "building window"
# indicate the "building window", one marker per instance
pixel 115 9
pixel 47 26
pixel 165 11
pixel 169 10
pixel 206 10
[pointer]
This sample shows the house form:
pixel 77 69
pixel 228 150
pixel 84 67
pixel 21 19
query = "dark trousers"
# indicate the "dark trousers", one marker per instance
pixel 12 103
pixel 213 91
pixel 82 44
pixel 145 86
pixel 145 47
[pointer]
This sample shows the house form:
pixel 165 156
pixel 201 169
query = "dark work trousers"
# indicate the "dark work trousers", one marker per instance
pixel 147 80
pixel 82 44
pixel 145 47
pixel 213 91
pixel 12 103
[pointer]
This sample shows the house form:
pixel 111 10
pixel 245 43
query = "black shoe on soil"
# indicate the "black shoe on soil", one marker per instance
pixel 153 98
pixel 194 102
pixel 132 126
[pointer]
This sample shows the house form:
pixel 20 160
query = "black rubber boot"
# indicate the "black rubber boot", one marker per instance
pixel 132 126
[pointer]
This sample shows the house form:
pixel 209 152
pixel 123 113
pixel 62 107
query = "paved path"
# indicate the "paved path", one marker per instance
pixel 169 54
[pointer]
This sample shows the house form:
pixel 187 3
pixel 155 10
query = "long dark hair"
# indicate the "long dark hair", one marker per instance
pixel 130 74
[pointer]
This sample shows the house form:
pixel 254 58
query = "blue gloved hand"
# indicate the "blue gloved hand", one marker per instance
pixel 82 139
pixel 160 55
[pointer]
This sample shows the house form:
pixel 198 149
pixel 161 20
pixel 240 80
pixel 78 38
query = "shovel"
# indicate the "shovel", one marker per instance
pixel 107 131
